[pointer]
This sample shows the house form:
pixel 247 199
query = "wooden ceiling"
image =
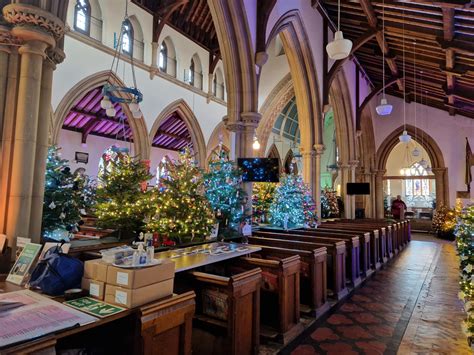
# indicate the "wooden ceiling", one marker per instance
pixel 192 18
pixel 444 36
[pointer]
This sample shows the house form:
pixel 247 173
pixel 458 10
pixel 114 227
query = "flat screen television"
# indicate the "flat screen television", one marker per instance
pixel 259 169
pixel 358 188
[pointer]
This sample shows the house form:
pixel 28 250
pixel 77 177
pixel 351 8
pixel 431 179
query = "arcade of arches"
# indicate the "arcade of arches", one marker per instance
pixel 253 79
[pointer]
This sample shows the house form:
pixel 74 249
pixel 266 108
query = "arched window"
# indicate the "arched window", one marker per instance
pixel 417 186
pixel 127 38
pixel 163 58
pixel 191 72
pixel 82 16
pixel 214 86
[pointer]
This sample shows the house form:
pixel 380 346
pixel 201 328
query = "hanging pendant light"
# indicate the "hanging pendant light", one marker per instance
pixel 423 163
pixel 416 152
pixel 256 143
pixel 110 112
pixel 405 137
pixel 340 47
pixel 384 109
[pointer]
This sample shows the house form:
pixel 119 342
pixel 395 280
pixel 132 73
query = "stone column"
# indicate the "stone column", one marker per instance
pixel 154 59
pixel 379 207
pixel 242 133
pixel 316 176
pixel 344 171
pixel 4 56
pixel 440 182
pixel 38 30
pixel 44 117
pixel 352 178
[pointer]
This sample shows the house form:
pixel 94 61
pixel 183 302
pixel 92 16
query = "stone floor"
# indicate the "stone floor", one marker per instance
pixel 409 307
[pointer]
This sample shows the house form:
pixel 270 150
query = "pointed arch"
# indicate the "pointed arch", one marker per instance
pixel 297 47
pixel 274 153
pixel 171 56
pixel 141 143
pixel 219 133
pixel 187 115
pixel 137 40
pixel 288 162
pixel 434 152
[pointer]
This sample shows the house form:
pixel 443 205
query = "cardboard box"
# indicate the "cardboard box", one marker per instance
pixel 96 270
pixel 130 298
pixel 137 278
pixel 96 288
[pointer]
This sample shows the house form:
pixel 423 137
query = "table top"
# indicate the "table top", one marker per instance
pixel 201 255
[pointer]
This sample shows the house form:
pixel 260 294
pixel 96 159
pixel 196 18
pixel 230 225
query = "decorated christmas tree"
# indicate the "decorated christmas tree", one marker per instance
pixel 182 211
pixel 331 200
pixel 122 204
pixel 262 198
pixel 289 202
pixel 223 190
pixel 66 197
pixel 464 239
pixel 444 221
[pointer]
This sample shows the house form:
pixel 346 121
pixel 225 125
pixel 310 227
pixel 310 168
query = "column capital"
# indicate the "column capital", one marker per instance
pixel 34 47
pixel 353 163
pixel 57 56
pixel 7 39
pixel 28 17
pixel 250 119
pixel 319 149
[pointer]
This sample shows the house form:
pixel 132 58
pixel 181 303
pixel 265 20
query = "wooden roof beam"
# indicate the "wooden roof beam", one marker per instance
pixel 373 22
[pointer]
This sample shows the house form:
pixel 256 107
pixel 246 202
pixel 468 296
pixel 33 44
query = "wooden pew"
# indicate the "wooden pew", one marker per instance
pixel 227 318
pixel 375 245
pixel 352 247
pixel 313 276
pixel 381 230
pixel 336 264
pixel 279 294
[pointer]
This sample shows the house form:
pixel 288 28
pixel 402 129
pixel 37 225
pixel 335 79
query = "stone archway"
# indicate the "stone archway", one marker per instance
pixel 274 153
pixel 219 134
pixel 141 142
pixel 186 114
pixel 434 152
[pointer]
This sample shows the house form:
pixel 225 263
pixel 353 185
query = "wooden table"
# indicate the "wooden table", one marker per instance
pixel 201 255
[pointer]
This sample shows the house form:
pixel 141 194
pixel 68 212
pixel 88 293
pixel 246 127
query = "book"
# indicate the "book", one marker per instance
pixel 20 272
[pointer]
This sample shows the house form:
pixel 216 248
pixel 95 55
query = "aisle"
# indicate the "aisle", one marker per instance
pixel 410 306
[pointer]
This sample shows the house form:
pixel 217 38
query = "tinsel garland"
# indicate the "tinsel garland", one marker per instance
pixel 464 232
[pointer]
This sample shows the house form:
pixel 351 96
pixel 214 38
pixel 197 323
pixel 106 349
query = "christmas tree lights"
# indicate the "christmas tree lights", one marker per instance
pixel 121 203
pixel 465 244
pixel 66 197
pixel 262 197
pixel 182 211
pixel 291 205
pixel 224 191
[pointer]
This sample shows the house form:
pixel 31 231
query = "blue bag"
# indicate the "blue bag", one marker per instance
pixel 57 272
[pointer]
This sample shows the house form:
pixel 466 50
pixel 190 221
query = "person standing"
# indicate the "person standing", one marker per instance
pixel 398 208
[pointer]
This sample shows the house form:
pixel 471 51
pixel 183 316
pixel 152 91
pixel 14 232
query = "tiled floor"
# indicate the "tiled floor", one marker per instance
pixel 409 307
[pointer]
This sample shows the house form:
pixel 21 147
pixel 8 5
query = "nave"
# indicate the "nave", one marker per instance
pixel 409 307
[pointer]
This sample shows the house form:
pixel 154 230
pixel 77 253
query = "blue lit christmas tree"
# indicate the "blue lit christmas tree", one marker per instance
pixel 66 197
pixel 223 190
pixel 292 203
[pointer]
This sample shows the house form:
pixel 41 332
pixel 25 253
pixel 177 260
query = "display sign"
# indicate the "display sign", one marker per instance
pixel 20 271
pixel 94 307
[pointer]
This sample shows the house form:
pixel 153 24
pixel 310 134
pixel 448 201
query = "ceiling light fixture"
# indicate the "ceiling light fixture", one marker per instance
pixel 384 109
pixel 405 137
pixel 256 143
pixel 340 47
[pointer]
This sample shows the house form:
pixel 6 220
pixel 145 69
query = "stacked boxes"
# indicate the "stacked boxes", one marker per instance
pixel 128 287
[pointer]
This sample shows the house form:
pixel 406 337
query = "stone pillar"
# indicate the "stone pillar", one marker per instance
pixel 242 133
pixel 4 56
pixel 38 30
pixel 44 116
pixel 440 182
pixel 344 171
pixel 154 59
pixel 352 178
pixel 316 175
pixel 379 196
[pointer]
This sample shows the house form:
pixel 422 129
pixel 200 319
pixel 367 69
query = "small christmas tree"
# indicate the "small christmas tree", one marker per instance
pixel 182 211
pixel 121 202
pixel 262 198
pixel 331 199
pixel 288 205
pixel 224 191
pixel 66 197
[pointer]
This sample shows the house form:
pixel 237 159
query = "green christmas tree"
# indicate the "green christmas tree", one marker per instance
pixel 289 202
pixel 66 197
pixel 224 192
pixel 262 197
pixel 182 211
pixel 122 203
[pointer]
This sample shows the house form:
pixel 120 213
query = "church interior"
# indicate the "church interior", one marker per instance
pixel 236 177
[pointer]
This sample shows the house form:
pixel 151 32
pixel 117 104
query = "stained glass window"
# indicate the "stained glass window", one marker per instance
pixel 417 187
pixel 82 16
pixel 163 60
pixel 127 38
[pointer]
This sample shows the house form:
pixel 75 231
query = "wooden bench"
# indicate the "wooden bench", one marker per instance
pixel 336 255
pixel 279 294
pixel 352 247
pixel 375 245
pixel 227 318
pixel 313 276
pixel 381 231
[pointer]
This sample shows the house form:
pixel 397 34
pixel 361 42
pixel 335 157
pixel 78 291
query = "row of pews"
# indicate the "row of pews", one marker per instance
pixel 297 272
